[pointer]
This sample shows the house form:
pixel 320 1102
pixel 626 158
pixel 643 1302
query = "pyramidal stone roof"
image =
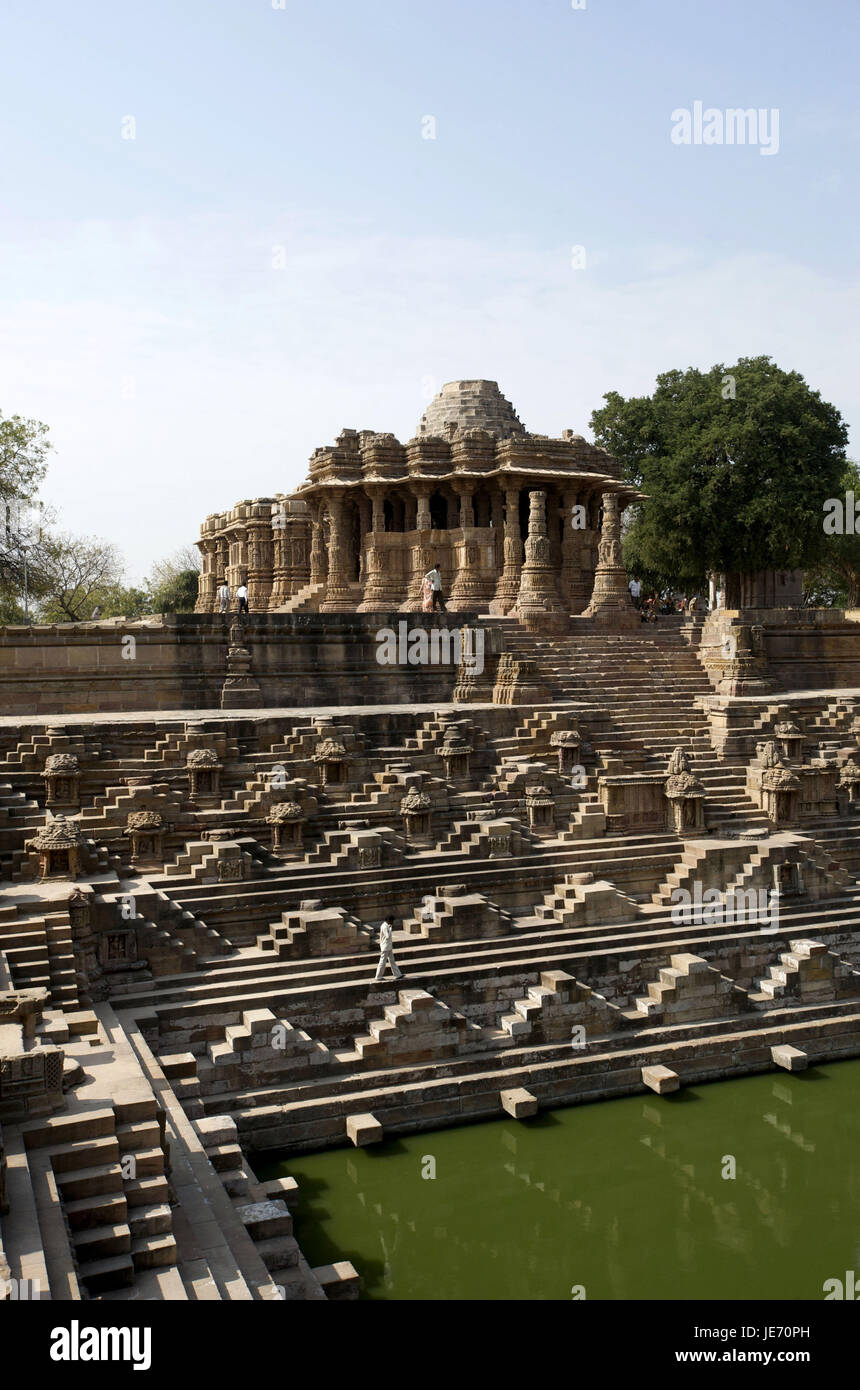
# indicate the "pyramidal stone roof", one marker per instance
pixel 470 405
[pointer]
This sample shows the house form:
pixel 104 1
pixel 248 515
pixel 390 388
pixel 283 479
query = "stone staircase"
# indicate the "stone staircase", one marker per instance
pixel 645 692
pixel 686 990
pixel 108 1167
pixel 417 1028
pixel 580 901
pixel 307 600
pixel 550 1011
pixel 808 973
pixel 39 952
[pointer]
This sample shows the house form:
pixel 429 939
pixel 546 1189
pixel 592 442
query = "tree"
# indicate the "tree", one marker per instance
pixel 75 575
pixel 24 447
pixel 173 582
pixel 834 582
pixel 736 462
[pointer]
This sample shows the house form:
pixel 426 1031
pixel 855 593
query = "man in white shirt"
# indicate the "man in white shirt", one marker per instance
pixel 242 596
pixel 224 597
pixel 435 579
pixel 386 952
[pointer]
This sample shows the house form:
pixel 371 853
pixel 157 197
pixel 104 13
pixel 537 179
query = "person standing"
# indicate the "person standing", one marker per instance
pixel 242 597
pixel 434 578
pixel 386 952
pixel 427 594
pixel 223 597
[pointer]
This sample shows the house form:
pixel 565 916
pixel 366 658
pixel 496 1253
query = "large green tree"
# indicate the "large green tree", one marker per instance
pixel 737 463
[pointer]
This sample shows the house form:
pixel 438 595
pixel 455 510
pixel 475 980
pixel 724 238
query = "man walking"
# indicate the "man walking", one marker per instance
pixel 386 952
pixel 242 596
pixel 434 579
pixel 224 597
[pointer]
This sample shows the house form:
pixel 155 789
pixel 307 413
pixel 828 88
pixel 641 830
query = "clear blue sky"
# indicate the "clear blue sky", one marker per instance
pixel 278 253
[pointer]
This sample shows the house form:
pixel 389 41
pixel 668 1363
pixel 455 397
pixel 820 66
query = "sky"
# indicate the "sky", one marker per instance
pixel 231 228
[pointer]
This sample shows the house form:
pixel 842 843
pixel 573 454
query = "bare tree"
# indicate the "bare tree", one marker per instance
pixel 74 573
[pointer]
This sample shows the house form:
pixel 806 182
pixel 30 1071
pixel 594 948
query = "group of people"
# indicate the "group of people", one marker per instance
pixel 432 596
pixel 655 605
pixel 224 597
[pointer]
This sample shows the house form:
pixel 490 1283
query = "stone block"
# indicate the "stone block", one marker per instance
pixel 338 1281
pixel 215 1130
pixel 362 1130
pixel 661 1079
pixel 264 1219
pixel 519 1103
pixel 789 1058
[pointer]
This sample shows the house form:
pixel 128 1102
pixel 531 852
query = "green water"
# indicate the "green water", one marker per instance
pixel 625 1198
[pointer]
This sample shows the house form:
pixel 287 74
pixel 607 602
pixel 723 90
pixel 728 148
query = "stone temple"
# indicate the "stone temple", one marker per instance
pixel 375 514
pixel 617 858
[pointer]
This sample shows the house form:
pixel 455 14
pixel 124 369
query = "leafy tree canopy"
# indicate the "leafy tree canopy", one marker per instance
pixel 737 463
pixel 172 583
pixel 834 581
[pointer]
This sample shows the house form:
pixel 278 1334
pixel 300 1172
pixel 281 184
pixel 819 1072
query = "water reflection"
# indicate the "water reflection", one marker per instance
pixel 751 1192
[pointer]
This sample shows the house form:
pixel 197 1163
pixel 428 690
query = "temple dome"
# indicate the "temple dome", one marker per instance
pixel 470 405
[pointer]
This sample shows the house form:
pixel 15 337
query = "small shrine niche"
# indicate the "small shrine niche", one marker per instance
pixel 62 781
pixel 456 752
pixel 287 820
pixel 787 879
pixel 204 775
pixel 118 951
pixel 789 741
pixel 59 846
pixel 332 760
pixel 415 808
pixel 540 808
pixel 499 840
pixel 146 831
pixel 568 743
pixel 686 796
pixel 849 783
pixel 780 787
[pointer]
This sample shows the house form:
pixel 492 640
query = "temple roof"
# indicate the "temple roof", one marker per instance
pixel 470 405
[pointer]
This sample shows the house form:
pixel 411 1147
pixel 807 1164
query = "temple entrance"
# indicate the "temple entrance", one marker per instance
pixel 438 512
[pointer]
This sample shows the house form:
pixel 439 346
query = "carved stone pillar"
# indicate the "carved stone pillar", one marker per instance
pixel 237 566
pixel 610 599
pixel 222 564
pixel 497 521
pixel 421 556
pixel 382 589
pixel 467 591
pixel 260 562
pixel 297 552
pixel 467 507
pixel 365 522
pixel 422 495
pixel 207 583
pixel 318 556
pixel 512 548
pixel 338 596
pixel 538 603
pixel 280 590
